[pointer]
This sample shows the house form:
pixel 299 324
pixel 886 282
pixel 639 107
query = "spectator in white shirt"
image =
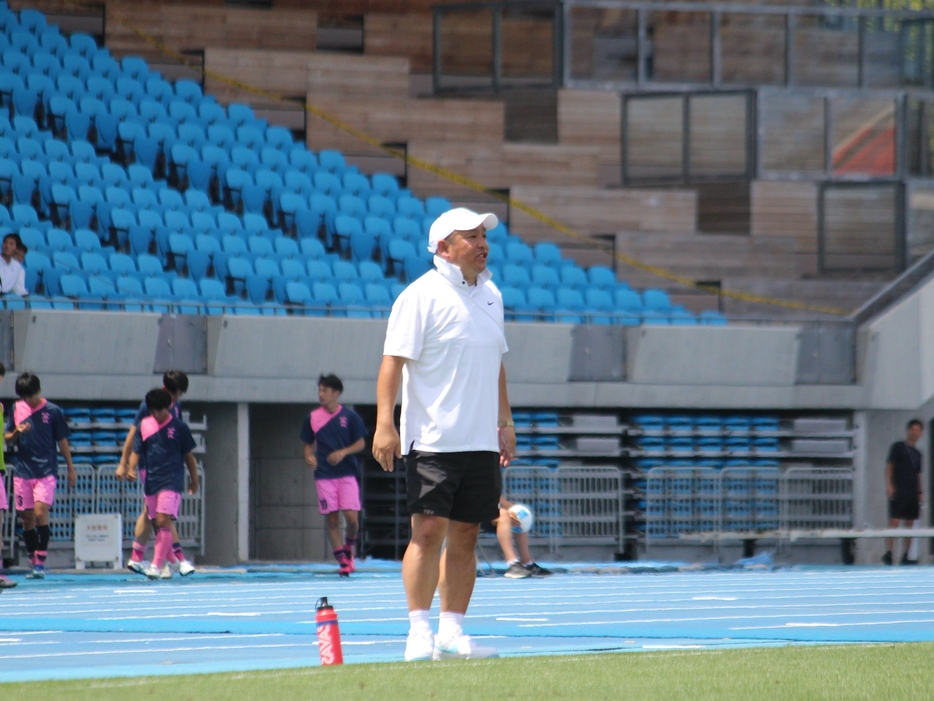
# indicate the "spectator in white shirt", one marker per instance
pixel 12 274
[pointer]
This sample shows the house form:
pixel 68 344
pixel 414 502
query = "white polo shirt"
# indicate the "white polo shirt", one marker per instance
pixel 12 277
pixel 453 337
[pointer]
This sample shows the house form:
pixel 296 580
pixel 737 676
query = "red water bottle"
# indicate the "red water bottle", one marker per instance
pixel 329 634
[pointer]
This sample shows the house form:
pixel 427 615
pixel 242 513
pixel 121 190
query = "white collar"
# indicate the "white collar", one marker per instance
pixel 455 276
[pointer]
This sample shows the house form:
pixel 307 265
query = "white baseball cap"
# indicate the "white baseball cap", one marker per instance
pixel 458 219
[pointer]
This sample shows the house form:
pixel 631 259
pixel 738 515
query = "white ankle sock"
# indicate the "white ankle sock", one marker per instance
pixel 418 622
pixel 450 625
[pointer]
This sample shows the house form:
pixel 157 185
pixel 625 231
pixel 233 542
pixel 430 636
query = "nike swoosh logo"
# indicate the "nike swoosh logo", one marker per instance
pixel 489 303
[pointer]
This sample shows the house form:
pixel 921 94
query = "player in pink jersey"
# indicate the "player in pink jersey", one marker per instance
pixel 175 382
pixel 165 443
pixel 38 427
pixel 333 435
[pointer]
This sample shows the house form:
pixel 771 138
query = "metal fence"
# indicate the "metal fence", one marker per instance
pixel 98 491
pixel 573 505
pixel 684 500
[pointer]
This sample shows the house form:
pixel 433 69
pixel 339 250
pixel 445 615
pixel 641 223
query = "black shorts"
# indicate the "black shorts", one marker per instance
pixel 904 508
pixel 460 486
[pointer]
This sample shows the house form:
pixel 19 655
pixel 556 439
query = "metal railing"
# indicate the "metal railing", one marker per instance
pixel 895 290
pixel 746 500
pixel 98 491
pixel 573 506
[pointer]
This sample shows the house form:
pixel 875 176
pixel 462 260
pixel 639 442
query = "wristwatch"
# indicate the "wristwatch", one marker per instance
pixel 504 424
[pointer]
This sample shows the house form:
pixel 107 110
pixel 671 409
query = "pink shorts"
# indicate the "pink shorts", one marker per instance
pixel 164 502
pixel 338 494
pixel 4 502
pixel 28 491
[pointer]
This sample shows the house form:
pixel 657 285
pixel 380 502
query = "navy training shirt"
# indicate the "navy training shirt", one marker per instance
pixel 37 448
pixel 142 413
pixel 330 432
pixel 163 449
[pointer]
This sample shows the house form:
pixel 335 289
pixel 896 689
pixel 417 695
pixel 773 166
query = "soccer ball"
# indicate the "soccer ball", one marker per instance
pixel 526 518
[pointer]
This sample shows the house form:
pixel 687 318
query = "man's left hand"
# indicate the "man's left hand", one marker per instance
pixel 507 445
pixel 336 457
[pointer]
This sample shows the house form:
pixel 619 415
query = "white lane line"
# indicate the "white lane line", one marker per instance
pixel 149 651
pixel 196 637
pixel 674 647
pixel 532 608
pixel 837 625
pixel 624 621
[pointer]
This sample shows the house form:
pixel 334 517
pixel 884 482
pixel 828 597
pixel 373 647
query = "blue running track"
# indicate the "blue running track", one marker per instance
pixel 105 625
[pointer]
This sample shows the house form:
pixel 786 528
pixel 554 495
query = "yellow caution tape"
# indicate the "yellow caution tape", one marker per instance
pixel 460 179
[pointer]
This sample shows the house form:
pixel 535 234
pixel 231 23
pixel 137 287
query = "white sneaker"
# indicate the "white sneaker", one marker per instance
pixel 461 648
pixel 173 566
pixel 138 567
pixel 185 568
pixel 166 572
pixel 151 571
pixel 419 647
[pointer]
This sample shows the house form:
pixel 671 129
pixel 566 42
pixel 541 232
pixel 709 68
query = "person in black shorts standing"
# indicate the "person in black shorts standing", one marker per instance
pixel 903 485
pixel 444 345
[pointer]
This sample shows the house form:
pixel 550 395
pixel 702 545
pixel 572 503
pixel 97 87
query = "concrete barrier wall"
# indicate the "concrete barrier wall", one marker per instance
pixel 109 356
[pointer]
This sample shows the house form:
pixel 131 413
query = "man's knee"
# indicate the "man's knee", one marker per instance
pixel 429 531
pixel 333 519
pixel 463 536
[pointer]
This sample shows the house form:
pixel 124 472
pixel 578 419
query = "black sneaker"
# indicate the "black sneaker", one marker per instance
pixel 906 561
pixel 537 571
pixel 887 558
pixel 517 571
pixel 6 583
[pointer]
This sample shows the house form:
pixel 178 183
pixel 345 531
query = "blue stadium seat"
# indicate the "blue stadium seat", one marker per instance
pixel 516 276
pixel 656 300
pixel 436 206
pixel 573 276
pixel 385 185
pixel 601 276
pixel 332 161
pixel 286 247
pixel 545 276
pixel 353 300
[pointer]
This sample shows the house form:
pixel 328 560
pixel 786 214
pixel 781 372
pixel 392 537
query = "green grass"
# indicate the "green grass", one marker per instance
pixel 901 672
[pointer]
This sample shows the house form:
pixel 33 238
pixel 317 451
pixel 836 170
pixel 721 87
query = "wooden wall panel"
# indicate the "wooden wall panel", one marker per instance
pixel 182 27
pixel 590 117
pixel 391 34
pixel 297 74
pixel 787 211
pixel 407 119
pixel 592 211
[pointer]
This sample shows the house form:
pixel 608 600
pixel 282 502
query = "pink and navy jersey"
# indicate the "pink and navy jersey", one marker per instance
pixel 162 448
pixel 37 448
pixel 330 432
pixel 175 410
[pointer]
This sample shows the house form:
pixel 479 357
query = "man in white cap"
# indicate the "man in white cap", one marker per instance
pixel 444 345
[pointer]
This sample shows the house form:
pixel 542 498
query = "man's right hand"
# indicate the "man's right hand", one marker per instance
pixel 311 461
pixel 387 446
pixel 890 490
pixel 121 471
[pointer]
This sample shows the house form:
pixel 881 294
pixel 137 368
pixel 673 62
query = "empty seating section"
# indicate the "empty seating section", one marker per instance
pixel 131 192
